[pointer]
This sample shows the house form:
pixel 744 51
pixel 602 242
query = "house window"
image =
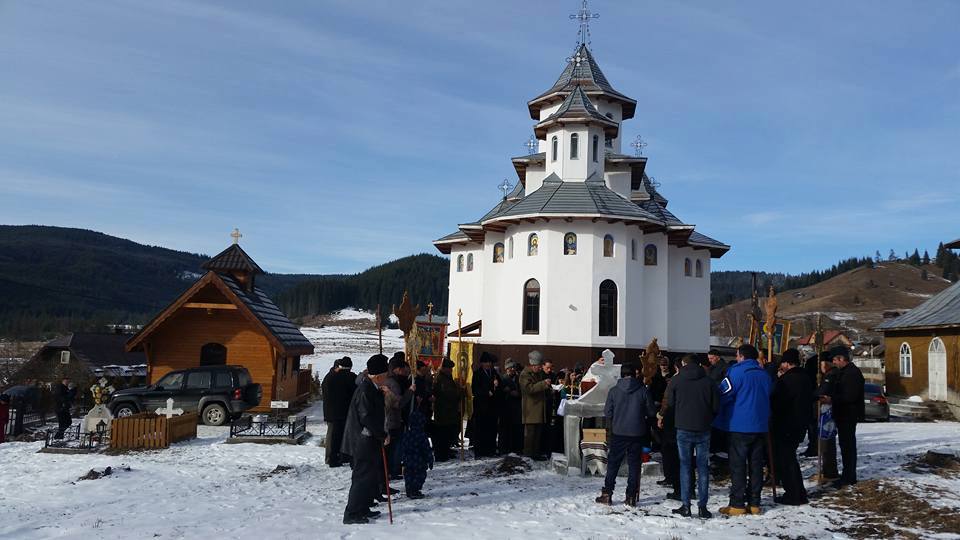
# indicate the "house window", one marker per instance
pixel 595 148
pixel 687 269
pixel 531 307
pixel 511 247
pixel 533 245
pixel 459 263
pixel 608 308
pixel 608 246
pixel 554 145
pixel 213 354
pixel 574 146
pixel 699 268
pixel 498 252
pixel 650 255
pixel 633 248
pixel 906 360
pixel 469 262
pixel 569 244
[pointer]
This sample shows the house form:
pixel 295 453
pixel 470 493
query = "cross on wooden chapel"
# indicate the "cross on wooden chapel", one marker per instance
pixel 236 236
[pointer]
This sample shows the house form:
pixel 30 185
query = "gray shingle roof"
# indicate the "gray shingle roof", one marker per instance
pixel 232 258
pixel 99 350
pixel 657 209
pixel 586 73
pixel 592 197
pixel 453 237
pixel 701 239
pixel 270 315
pixel 576 107
pixel 941 310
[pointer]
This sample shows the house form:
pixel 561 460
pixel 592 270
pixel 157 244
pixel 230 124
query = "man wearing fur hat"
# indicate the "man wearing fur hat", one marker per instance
pixel 534 388
pixel 363 439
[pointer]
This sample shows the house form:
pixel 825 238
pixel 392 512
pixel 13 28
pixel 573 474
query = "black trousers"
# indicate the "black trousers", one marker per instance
pixel 485 433
pixel 333 442
pixel 671 457
pixel 510 438
pixel 787 467
pixel 443 437
pixel 746 457
pixel 366 477
pixel 847 437
pixel 63 422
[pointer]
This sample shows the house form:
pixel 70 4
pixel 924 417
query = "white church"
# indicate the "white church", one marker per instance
pixel 583 254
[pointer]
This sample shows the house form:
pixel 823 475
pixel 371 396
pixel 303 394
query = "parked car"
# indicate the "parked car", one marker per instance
pixel 217 393
pixel 875 403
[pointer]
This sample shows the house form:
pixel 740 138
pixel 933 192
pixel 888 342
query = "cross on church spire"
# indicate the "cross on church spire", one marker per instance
pixel 638 146
pixel 531 145
pixel 505 187
pixel 236 236
pixel 583 17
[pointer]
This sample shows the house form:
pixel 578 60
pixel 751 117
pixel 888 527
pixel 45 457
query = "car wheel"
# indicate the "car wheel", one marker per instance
pixel 125 409
pixel 214 415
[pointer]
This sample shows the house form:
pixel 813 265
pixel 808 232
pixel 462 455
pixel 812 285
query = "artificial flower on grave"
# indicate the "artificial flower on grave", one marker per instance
pixel 101 391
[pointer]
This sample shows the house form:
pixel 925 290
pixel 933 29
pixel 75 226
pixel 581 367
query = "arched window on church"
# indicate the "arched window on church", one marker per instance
pixel 510 242
pixel 686 267
pixel 608 246
pixel 569 244
pixel 633 249
pixel 531 307
pixel 698 268
pixel 608 308
pixel 469 262
pixel 650 255
pixel 533 245
pixel 498 252
pixel 574 146
pixel 213 354
pixel 596 147
pixel 460 263
pixel 554 147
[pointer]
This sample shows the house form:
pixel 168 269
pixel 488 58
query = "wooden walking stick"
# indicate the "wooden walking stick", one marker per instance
pixel 819 342
pixel 773 472
pixel 386 481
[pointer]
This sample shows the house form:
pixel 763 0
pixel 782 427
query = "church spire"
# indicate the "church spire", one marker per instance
pixel 581 69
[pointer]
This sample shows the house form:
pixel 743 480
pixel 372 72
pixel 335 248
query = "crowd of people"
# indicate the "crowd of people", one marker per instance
pixel 748 417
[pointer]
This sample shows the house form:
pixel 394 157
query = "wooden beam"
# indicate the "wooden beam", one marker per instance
pixel 208 305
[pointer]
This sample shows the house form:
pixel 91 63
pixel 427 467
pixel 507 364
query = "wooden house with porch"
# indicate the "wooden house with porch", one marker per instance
pixel 224 318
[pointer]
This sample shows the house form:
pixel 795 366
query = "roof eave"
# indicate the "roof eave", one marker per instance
pixel 551 215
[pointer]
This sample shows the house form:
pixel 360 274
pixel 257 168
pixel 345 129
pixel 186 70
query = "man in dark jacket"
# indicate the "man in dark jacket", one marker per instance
pixel 694 401
pixel 717 369
pixel 828 446
pixel 484 386
pixel 397 401
pixel 848 410
pixel 363 440
pixel 792 402
pixel 745 414
pixel 627 409
pixel 447 416
pixel 63 395
pixel 424 393
pixel 511 422
pixel 337 388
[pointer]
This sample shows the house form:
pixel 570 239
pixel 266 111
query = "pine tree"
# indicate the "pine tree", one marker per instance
pixel 941 254
pixel 878 258
pixel 915 258
pixel 926 257
pixel 892 257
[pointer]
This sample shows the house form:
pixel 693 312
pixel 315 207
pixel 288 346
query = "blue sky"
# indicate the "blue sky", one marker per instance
pixel 341 134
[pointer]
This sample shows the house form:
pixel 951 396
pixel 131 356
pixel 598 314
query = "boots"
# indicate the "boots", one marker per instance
pixel 683 511
pixel 733 511
pixel 631 500
pixel 755 510
pixel 704 513
pixel 604 498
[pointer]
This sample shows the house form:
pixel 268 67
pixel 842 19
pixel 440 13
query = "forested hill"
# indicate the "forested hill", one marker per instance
pixel 424 276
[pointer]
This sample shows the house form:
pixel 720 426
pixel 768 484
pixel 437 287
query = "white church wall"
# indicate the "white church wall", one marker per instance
pixel 466 287
pixel 615 110
pixel 655 289
pixel 547 110
pixel 568 168
pixel 618 179
pixel 689 316
pixel 613 268
pixel 535 176
pixel 634 295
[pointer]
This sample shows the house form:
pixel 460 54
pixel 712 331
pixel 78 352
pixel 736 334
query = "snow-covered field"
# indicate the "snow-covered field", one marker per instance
pixel 335 341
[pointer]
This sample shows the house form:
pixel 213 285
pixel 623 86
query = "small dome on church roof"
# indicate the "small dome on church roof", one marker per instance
pixel 586 73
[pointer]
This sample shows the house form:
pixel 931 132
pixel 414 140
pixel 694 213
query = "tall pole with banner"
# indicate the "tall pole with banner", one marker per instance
pixel 461 373
pixel 819 345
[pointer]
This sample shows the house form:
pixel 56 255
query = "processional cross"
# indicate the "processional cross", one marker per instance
pixel 638 146
pixel 583 17
pixel 505 187
pixel 236 236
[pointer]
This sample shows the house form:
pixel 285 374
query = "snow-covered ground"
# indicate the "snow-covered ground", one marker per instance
pixel 332 342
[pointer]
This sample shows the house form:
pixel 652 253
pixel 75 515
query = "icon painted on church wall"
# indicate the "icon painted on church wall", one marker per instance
pixel 533 245
pixel 459 263
pixel 608 246
pixel 570 244
pixel 687 268
pixel 498 252
pixel 650 255
pixel 470 262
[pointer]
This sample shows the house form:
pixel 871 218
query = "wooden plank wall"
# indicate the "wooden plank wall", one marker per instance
pixel 919 341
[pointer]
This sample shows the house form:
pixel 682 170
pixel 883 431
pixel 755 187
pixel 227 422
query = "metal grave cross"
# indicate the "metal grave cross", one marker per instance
pixel 236 236
pixel 654 182
pixel 169 411
pixel 505 187
pixel 638 146
pixel 531 145
pixel 583 17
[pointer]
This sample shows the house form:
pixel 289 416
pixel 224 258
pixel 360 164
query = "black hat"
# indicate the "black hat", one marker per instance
pixel 401 355
pixel 447 363
pixel 421 364
pixel 487 357
pixel 791 356
pixel 840 351
pixel 714 352
pixel 377 364
pixel 345 362
pixel 396 362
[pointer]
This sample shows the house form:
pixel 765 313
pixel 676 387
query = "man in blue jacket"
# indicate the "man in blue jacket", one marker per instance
pixel 745 414
pixel 627 409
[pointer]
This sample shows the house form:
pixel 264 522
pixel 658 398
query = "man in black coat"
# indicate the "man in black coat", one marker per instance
pixel 63 395
pixel 337 389
pixel 791 403
pixel 510 409
pixel 363 440
pixel 848 410
pixel 485 386
pixel 716 370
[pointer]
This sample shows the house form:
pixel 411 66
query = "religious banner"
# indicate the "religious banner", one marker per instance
pixel 463 369
pixel 781 337
pixel 427 344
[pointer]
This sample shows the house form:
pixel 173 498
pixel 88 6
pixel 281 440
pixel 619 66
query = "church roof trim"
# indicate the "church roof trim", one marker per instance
pixel 588 74
pixel 941 310
pixel 700 240
pixel 577 107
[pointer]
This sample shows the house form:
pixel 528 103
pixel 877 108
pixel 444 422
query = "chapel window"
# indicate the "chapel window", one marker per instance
pixel 533 245
pixel 531 307
pixel 650 255
pixel 574 146
pixel 554 146
pixel 498 252
pixel 469 262
pixel 906 360
pixel 511 247
pixel 608 246
pixel 595 148
pixel 699 268
pixel 460 263
pixel 213 354
pixel 608 308
pixel 570 244
pixel 686 267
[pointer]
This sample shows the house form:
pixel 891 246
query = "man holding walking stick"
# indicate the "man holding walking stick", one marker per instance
pixel 363 439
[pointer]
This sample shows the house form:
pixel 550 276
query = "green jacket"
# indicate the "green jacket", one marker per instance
pixel 447 393
pixel 534 388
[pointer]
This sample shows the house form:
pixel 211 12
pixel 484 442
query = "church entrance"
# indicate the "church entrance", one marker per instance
pixel 937 366
pixel 213 354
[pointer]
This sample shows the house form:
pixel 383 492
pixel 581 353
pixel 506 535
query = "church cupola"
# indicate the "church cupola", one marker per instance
pixel 235 262
pixel 575 136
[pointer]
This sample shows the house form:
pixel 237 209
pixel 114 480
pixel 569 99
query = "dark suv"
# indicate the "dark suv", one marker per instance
pixel 218 393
